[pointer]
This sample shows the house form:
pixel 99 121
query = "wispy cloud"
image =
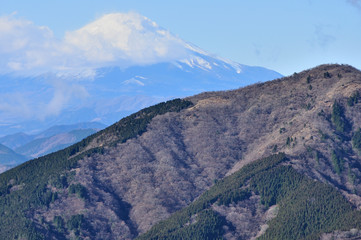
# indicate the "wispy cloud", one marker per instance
pixel 322 37
pixel 355 3
pixel 23 46
pixel 118 39
pixel 48 101
pixel 63 94
pixel 266 53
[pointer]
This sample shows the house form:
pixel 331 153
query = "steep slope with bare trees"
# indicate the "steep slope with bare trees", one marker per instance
pixel 120 182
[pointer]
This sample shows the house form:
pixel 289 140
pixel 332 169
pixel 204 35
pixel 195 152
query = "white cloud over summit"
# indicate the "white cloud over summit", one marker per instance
pixel 117 39
pixel 123 39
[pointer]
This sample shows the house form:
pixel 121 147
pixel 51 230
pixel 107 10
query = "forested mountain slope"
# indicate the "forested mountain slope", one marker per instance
pixel 123 180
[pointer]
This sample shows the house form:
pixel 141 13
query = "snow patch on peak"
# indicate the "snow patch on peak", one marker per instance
pixel 194 49
pixel 236 66
pixel 205 60
pixel 134 81
pixel 197 62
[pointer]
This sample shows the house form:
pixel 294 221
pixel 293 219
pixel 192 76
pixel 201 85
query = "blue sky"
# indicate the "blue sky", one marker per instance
pixel 286 36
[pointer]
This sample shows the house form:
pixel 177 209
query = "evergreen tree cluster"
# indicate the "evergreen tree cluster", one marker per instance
pixel 353 99
pixel 307 208
pixel 79 190
pixel 356 140
pixel 338 118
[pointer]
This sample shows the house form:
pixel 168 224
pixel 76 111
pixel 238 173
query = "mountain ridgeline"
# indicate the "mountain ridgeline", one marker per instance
pixel 274 160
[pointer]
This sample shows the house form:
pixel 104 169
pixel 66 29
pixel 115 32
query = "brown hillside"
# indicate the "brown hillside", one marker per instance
pixel 135 184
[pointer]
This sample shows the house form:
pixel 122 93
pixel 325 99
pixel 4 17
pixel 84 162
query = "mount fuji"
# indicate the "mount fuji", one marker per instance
pixel 114 66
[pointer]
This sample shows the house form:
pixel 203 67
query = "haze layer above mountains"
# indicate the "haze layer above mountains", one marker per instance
pixel 103 71
pixel 124 180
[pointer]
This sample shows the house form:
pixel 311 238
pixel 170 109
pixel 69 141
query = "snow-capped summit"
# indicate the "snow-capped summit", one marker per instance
pixel 105 70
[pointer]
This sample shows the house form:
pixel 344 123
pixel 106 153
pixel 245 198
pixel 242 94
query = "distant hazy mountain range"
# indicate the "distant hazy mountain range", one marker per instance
pixel 19 147
pixel 9 158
